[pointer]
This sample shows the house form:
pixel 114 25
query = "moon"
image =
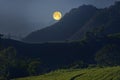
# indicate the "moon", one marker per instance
pixel 57 15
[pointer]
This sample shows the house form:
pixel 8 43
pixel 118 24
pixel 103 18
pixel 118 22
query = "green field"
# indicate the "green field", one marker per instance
pixel 109 73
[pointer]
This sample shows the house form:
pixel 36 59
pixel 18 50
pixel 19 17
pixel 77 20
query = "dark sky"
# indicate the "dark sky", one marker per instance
pixel 20 17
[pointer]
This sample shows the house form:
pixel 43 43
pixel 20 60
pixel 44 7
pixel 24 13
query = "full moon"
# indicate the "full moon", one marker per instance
pixel 57 15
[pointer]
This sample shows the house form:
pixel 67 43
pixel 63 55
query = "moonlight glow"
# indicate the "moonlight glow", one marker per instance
pixel 57 15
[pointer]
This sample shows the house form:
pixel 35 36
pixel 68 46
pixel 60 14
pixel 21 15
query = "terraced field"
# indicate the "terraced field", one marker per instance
pixel 107 73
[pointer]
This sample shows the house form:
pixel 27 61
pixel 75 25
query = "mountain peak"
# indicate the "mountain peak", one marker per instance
pixel 75 24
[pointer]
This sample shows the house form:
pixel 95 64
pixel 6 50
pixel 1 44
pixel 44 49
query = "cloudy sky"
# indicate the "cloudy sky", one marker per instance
pixel 20 17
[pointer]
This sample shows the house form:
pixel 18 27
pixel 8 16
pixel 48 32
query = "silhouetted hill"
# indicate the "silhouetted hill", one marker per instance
pixel 58 55
pixel 65 28
pixel 75 24
pixel 96 26
pixel 106 21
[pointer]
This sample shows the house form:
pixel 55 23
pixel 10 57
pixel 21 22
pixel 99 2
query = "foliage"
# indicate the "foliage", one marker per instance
pixel 12 66
pixel 7 60
pixel 1 35
pixel 108 55
pixel 116 35
pixel 33 66
pixel 78 64
pixel 106 73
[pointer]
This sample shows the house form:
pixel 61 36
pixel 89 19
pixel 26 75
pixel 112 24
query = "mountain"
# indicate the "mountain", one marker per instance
pixel 106 21
pixel 58 55
pixel 65 28
pixel 75 24
pixel 54 55
pixel 51 55
pixel 100 45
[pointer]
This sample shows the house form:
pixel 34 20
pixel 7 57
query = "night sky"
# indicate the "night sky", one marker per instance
pixel 20 17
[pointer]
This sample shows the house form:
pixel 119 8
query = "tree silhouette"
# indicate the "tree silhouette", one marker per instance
pixel 1 35
pixel 109 55
pixel 7 60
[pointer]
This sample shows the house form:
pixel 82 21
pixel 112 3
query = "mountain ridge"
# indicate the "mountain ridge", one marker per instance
pixel 107 18
pixel 63 29
pixel 75 24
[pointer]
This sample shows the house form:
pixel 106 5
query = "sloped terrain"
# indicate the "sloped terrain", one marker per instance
pixel 65 28
pixel 75 24
pixel 107 73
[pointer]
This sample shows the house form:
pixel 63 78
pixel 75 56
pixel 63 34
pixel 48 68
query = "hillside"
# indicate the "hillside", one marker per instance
pixel 75 24
pixel 56 55
pixel 99 35
pixel 65 28
pixel 106 21
pixel 85 37
pixel 107 73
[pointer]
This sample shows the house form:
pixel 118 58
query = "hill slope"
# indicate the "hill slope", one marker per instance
pixel 58 55
pixel 106 21
pixel 109 73
pixel 65 28
pixel 75 24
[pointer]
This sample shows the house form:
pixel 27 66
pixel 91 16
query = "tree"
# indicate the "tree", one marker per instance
pixel 108 55
pixel 78 64
pixel 1 35
pixel 33 65
pixel 7 60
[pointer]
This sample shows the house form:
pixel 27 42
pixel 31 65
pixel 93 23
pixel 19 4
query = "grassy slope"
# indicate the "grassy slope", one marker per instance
pixel 109 73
